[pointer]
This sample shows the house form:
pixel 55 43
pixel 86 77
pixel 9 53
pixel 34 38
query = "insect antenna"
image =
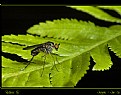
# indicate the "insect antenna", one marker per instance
pixel 28 63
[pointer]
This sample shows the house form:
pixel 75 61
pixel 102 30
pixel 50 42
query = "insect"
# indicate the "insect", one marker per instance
pixel 44 47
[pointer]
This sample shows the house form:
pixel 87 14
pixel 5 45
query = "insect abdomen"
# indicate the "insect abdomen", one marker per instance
pixel 35 51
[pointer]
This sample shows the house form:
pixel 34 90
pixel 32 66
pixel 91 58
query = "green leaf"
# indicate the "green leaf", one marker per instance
pixel 78 41
pixel 71 71
pixel 99 58
pixel 78 70
pixel 115 44
pixel 98 13
pixel 116 8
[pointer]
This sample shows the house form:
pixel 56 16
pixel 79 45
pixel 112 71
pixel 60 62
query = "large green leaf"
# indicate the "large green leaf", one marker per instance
pixel 78 40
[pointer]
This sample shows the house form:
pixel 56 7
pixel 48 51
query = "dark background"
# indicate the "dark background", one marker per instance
pixel 17 19
pixel 71 2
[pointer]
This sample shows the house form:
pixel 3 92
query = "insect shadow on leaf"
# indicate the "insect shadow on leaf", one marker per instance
pixel 47 48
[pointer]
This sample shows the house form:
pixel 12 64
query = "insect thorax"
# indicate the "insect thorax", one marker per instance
pixel 47 49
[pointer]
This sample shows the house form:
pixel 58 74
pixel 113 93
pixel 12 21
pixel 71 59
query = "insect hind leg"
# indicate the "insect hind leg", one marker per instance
pixel 27 64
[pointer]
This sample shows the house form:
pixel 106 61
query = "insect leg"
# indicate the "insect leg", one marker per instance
pixel 28 63
pixel 43 64
pixel 54 63
pixel 56 57
pixel 57 60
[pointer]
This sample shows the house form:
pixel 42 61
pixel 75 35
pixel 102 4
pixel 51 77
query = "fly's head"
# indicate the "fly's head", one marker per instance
pixel 52 45
pixel 56 46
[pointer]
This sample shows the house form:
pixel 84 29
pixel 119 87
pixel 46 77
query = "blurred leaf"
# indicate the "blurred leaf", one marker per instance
pixel 116 8
pixel 98 13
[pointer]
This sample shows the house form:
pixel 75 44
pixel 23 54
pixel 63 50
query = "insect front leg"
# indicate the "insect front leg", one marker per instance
pixel 54 63
pixel 56 57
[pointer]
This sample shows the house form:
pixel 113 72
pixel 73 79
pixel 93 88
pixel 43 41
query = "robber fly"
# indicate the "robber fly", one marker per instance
pixel 44 47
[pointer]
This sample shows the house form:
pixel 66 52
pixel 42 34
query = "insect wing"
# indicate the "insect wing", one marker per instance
pixel 34 46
